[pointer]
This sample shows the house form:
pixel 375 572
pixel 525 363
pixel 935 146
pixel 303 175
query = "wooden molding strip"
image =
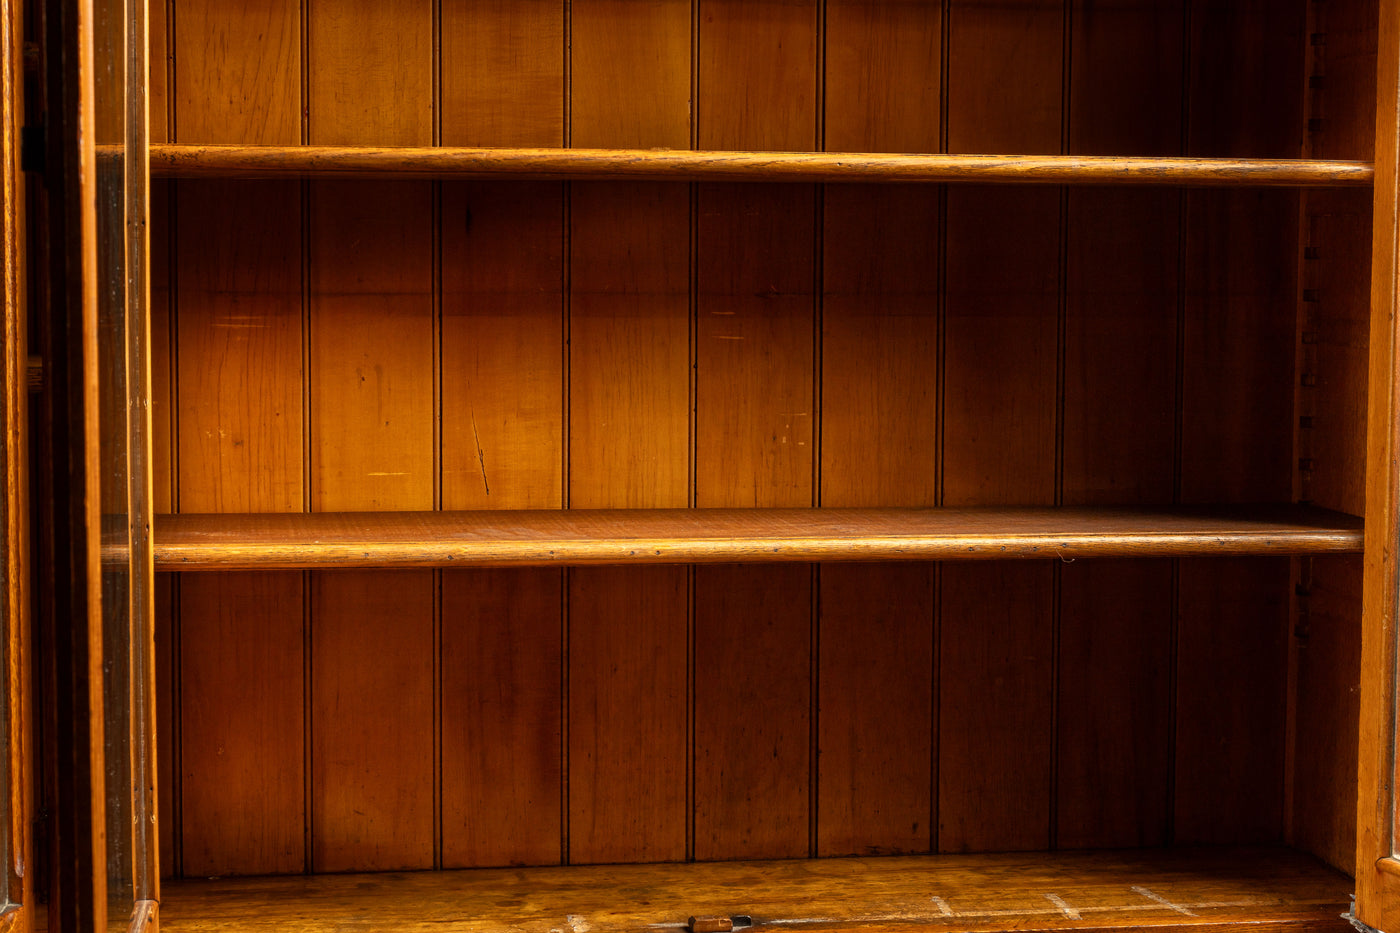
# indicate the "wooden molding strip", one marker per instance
pixel 616 536
pixel 680 165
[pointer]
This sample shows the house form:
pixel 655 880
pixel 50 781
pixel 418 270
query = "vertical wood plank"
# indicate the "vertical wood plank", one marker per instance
pixel 167 666
pixel 1231 686
pixel 879 430
pixel 159 56
pixel 372 373
pixel 242 741
pixel 237 72
pixel 502 73
pixel 1114 689
pixel 629 432
pixel 755 407
pixel 1329 674
pixel 372 717
pixel 752 711
pixel 502 717
pixel 876 715
pixel 630 83
pixel 883 83
pixel 1237 422
pixel 502 437
pixel 371 75
pixel 999 436
pixel 627 714
pixel 995 693
pixel 502 359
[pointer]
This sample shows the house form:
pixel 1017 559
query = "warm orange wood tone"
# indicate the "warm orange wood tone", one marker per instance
pixel 630 84
pixel 241 749
pixel 752 709
pixel 1273 890
pixel 371 80
pixel 502 366
pixel 502 73
pixel 1377 882
pixel 372 745
pixel 627 715
pixel 237 72
pixel 619 536
pixel 502 717
pixel 876 783
pixel 882 76
pixel 665 164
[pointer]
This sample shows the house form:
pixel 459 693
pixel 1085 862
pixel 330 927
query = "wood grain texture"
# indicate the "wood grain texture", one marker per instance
pixel 240 415
pixel 667 165
pixel 995 754
pixel 630 81
pixel 1231 683
pixel 237 72
pixel 876 779
pixel 753 632
pixel 1272 890
pixel 628 347
pixel 502 717
pixel 1113 705
pixel 595 536
pixel 757 75
pixel 503 73
pixel 1328 646
pixel 502 364
pixel 372 745
pixel 371 76
pixel 882 76
pixel 242 741
pixel 627 715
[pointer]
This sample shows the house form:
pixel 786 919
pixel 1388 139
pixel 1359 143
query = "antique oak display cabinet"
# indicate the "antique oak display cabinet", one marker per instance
pixel 584 465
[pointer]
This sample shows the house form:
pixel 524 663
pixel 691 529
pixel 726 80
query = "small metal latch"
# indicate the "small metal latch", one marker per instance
pixel 718 924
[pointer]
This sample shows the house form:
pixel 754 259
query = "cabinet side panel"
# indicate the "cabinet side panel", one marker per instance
pixel 999 429
pixel 237 72
pixel 503 73
pixel 240 421
pixel 627 714
pixel 879 430
pixel 755 409
pixel 502 717
pixel 628 378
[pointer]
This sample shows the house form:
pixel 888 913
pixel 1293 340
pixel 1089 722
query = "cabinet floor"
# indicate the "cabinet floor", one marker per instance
pixel 1267 889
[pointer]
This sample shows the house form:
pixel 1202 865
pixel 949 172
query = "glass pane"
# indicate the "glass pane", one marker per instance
pixel 124 421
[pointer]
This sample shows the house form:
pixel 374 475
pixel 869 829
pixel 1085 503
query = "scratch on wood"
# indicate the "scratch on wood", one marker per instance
pixel 942 905
pixel 480 454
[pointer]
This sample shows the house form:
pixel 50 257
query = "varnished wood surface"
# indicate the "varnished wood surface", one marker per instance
pixel 1165 889
pixel 191 161
pixel 615 536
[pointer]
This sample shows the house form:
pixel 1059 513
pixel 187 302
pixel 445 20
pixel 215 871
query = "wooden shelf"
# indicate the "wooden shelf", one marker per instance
pixel 686 165
pixel 608 536
pixel 1262 889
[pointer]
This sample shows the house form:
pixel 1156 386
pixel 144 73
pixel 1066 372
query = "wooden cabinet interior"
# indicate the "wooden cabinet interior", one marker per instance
pixel 377 345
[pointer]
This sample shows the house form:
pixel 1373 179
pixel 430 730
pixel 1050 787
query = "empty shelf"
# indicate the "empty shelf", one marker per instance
pixel 1261 890
pixel 687 165
pixel 617 536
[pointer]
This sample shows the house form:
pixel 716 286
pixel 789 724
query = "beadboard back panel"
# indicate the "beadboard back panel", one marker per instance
pixel 381 345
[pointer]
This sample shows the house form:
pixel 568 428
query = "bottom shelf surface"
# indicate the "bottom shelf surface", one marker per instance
pixel 1201 889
